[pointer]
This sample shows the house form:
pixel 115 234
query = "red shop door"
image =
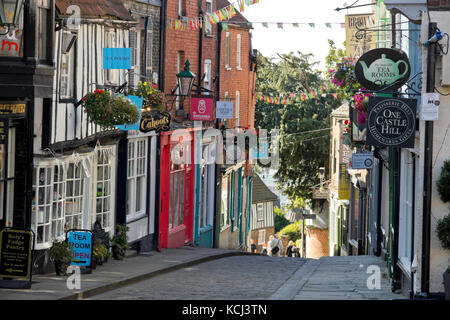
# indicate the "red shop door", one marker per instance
pixel 176 212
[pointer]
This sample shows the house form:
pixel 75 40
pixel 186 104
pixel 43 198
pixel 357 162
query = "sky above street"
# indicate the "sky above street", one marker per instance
pixel 306 39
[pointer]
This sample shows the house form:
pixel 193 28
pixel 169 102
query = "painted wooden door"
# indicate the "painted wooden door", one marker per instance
pixel 176 194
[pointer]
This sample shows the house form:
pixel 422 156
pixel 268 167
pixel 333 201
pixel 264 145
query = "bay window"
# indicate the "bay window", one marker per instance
pixel 104 188
pixel 74 197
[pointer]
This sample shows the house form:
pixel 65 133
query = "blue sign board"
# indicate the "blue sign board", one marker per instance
pixel 137 101
pixel 261 151
pixel 80 241
pixel 116 58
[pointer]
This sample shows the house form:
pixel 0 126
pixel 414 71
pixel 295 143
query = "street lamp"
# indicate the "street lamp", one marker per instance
pixel 10 12
pixel 185 80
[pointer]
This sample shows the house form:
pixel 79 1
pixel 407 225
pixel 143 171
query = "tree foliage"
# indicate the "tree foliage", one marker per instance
pixel 279 219
pixel 303 148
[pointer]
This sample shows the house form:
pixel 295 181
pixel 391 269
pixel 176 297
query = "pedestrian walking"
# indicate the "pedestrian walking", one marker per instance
pixel 290 249
pixel 275 247
pixel 252 246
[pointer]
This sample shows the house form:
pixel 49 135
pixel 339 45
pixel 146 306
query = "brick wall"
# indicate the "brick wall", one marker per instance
pixel 316 243
pixel 188 42
pixel 439 4
pixel 254 235
pixel 242 80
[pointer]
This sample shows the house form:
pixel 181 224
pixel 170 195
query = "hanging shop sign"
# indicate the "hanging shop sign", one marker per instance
pixel 358 42
pixel 429 108
pixel 224 110
pixel 202 109
pixel 137 101
pixel 380 68
pixel 155 121
pixel 80 242
pixel 15 253
pixel 4 129
pixel 391 122
pixel 362 161
pixel 12 108
pixel 116 58
pixel 344 182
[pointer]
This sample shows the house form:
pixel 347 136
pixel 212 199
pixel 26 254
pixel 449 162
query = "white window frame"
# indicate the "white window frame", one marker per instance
pixel 225 212
pixel 111 76
pixel 207 79
pixel 262 235
pixel 210 2
pixel 238 52
pixel 136 172
pixel 67 74
pixel 76 197
pixel 238 109
pixel 108 182
pixel 227 51
pixel 260 211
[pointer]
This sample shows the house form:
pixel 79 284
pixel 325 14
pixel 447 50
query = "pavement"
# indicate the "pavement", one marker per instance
pixel 339 278
pixel 116 273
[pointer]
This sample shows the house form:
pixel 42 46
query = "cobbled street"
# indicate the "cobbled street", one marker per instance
pixel 262 277
pixel 237 278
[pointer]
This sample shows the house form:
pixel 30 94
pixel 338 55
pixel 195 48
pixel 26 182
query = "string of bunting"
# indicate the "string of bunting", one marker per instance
pixel 220 15
pixel 293 97
pixel 227 13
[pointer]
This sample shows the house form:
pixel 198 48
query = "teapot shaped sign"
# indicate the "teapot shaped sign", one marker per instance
pixel 381 68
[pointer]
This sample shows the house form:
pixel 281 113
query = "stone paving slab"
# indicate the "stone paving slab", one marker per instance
pixel 116 273
pixel 339 278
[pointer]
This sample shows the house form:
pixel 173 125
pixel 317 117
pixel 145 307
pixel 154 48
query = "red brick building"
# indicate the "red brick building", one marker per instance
pixel 237 69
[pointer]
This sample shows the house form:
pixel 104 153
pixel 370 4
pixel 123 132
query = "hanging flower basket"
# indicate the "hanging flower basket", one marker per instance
pixel 153 98
pixel 107 110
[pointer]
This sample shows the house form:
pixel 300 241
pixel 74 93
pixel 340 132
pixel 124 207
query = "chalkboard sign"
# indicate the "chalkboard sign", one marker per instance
pixel 4 126
pixel 15 253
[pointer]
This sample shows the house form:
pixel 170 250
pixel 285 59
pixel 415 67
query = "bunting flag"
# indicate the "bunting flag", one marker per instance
pixel 328 25
pixel 280 25
pixel 312 25
pixel 241 6
pixel 293 97
pixel 295 25
pixel 224 26
pixel 265 25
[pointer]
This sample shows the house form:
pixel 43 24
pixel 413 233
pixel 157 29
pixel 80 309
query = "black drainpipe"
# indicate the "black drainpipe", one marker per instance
pixel 379 201
pixel 218 166
pixel 162 43
pixel 200 50
pixel 428 170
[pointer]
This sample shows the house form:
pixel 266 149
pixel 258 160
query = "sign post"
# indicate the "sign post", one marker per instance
pixel 16 247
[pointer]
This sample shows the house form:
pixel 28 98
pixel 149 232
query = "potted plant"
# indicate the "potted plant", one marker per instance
pixel 443 184
pixel 61 254
pixel 443 233
pixel 100 253
pixel 119 242
pixel 108 110
pixel 153 98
